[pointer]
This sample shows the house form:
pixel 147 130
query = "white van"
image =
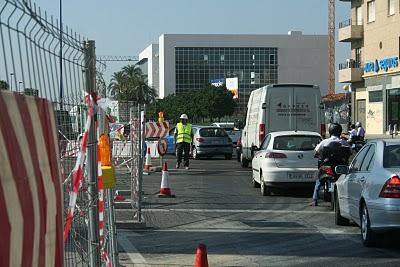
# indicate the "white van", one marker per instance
pixel 280 107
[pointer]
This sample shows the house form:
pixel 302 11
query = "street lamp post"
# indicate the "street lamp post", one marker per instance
pixel 11 80
pixel 19 86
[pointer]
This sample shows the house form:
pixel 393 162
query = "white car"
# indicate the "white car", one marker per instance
pixel 286 159
pixel 368 192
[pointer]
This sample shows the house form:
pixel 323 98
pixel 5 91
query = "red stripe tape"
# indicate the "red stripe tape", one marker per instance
pixel 5 228
pixel 28 127
pixel 49 133
pixel 21 179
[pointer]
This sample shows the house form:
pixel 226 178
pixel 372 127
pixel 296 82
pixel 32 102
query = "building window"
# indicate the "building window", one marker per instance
pixel 358 57
pixel 359 18
pixel 205 57
pixel 371 11
pixel 391 8
pixel 375 96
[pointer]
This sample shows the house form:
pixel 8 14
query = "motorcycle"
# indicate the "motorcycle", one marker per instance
pixel 330 158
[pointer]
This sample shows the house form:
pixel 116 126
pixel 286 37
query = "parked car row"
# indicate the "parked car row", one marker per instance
pixel 366 193
pixel 208 141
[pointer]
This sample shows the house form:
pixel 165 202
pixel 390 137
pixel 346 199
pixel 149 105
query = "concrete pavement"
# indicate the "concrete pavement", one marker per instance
pixel 216 205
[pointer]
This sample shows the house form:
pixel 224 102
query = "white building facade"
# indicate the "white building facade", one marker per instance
pixel 190 61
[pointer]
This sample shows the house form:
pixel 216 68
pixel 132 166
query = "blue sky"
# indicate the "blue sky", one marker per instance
pixel 126 27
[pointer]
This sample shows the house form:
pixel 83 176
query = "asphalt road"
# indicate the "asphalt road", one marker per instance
pixel 216 205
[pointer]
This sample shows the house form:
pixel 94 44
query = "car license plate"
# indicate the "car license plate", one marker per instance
pixel 216 142
pixel 300 175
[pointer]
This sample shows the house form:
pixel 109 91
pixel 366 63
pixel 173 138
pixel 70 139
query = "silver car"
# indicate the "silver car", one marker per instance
pixel 368 191
pixel 211 141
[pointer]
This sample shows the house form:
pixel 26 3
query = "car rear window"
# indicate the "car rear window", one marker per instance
pixel 213 132
pixel 296 142
pixel 391 156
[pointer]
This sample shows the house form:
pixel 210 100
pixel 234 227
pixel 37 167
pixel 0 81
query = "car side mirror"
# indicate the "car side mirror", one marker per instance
pixel 254 148
pixel 342 169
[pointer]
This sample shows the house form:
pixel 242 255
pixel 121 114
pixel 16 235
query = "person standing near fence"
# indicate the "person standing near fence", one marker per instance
pixel 183 137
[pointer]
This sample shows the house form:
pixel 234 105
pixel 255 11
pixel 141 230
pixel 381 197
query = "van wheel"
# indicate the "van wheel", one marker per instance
pixel 265 190
pixel 243 161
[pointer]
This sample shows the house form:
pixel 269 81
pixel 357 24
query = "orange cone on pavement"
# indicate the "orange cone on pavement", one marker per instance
pixel 201 256
pixel 165 191
pixel 147 164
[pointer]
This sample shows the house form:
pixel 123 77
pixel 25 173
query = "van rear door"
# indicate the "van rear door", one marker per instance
pixel 306 112
pixel 280 102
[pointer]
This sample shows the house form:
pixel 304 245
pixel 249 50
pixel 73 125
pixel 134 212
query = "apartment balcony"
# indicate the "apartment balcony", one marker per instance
pixel 349 32
pixel 350 72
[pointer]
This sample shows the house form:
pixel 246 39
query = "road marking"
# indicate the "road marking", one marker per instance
pixel 132 253
pixel 239 211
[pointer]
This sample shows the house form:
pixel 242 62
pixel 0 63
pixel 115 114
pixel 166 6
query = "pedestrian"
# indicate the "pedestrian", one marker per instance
pixel 183 137
pixel 360 131
pixel 352 134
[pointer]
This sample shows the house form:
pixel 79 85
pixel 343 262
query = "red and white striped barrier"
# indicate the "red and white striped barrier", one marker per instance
pixel 77 173
pixel 157 129
pixel 100 186
pixel 31 203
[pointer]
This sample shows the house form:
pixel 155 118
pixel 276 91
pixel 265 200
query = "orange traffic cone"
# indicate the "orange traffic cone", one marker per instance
pixel 165 191
pixel 201 256
pixel 147 164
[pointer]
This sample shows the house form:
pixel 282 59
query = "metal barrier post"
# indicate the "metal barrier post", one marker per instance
pixel 93 233
pixel 112 231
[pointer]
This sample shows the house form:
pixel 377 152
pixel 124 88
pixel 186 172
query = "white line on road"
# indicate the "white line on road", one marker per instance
pixel 132 253
pixel 238 211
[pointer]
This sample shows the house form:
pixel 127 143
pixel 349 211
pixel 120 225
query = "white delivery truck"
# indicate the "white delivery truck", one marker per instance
pixel 280 107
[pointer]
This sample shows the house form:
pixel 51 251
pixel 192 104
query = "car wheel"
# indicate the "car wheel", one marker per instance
pixel 254 183
pixel 368 237
pixel 228 156
pixel 243 162
pixel 339 220
pixel 238 156
pixel 194 153
pixel 265 190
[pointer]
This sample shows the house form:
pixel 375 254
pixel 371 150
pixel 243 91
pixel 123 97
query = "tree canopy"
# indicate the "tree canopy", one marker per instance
pixel 130 84
pixel 210 103
pixel 4 85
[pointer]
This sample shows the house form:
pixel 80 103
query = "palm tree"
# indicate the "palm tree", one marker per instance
pixel 130 84
pixel 117 84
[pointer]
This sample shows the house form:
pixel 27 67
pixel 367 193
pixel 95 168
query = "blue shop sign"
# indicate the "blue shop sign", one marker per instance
pixel 383 64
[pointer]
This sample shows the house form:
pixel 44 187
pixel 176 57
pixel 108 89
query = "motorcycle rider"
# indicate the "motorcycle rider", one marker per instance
pixel 360 131
pixel 331 144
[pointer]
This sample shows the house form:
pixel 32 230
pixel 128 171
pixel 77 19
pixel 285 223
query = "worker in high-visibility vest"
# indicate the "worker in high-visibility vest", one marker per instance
pixel 183 138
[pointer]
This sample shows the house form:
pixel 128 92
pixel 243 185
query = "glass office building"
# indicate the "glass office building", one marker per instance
pixel 184 62
pixel 253 66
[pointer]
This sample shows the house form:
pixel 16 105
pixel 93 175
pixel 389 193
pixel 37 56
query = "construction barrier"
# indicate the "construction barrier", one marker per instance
pixel 31 204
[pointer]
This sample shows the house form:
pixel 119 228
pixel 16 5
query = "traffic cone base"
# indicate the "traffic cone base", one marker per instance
pixel 200 259
pixel 147 164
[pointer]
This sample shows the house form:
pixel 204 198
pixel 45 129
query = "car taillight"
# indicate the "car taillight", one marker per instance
pixel 274 155
pixel 329 171
pixel 239 142
pixel 391 189
pixel 261 133
pixel 323 130
pixel 200 140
